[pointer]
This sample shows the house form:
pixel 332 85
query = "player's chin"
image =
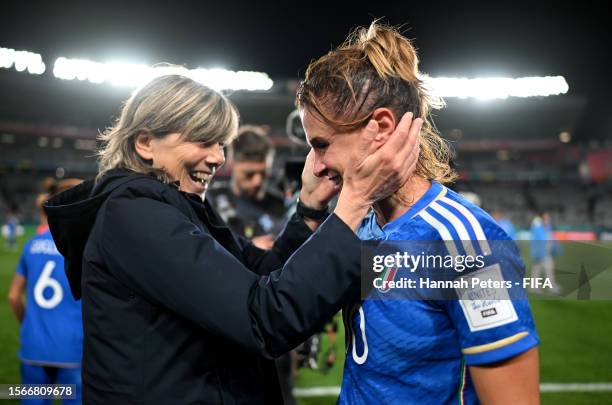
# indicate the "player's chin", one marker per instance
pixel 250 192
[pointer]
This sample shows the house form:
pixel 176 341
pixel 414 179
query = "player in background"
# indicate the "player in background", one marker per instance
pixel 542 249
pixel 49 186
pixel 11 230
pixel 249 206
pixel 414 351
pixel 51 333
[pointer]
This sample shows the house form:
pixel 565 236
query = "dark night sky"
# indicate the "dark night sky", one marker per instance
pixel 454 38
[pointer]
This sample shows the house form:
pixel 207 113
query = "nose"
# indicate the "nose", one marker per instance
pixel 318 167
pixel 258 179
pixel 216 157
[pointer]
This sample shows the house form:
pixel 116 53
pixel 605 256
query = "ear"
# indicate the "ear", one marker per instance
pixel 386 124
pixel 143 143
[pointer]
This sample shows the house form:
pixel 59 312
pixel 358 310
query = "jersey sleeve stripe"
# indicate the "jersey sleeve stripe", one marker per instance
pixel 495 345
pixel 441 194
pixel 480 235
pixel 459 227
pixel 444 233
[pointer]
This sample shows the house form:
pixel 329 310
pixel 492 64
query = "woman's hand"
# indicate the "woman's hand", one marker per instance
pixel 381 172
pixel 316 191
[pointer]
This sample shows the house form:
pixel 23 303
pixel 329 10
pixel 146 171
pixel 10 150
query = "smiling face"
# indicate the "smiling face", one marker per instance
pixel 334 151
pixel 192 164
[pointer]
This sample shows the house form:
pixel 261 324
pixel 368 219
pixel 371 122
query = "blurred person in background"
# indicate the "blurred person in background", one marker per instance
pixel 411 351
pixel 51 326
pixel 42 226
pixel 49 186
pixel 310 355
pixel 11 229
pixel 542 249
pixel 249 206
pixel 505 223
pixel 177 308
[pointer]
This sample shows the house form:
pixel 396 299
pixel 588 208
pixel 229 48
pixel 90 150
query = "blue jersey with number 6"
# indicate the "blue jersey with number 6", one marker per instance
pixel 52 329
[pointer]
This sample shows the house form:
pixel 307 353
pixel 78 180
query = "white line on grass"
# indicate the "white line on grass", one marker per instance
pixel 544 387
pixel 316 392
pixel 576 387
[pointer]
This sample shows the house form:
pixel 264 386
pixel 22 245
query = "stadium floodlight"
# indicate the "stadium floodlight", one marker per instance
pixel 134 75
pixel 496 87
pixel 565 137
pixel 22 61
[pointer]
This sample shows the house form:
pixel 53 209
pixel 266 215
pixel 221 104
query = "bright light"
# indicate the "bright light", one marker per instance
pixel 21 61
pixel 496 87
pixel 134 75
pixel 565 137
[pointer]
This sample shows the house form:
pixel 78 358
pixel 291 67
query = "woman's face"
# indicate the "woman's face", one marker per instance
pixel 334 152
pixel 193 164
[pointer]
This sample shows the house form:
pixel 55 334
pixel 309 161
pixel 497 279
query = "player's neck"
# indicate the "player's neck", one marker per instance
pixel 399 203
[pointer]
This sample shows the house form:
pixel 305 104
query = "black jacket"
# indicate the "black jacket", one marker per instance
pixel 176 309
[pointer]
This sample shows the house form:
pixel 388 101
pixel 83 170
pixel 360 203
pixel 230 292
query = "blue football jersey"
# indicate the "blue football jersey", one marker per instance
pixel 52 329
pixel 417 351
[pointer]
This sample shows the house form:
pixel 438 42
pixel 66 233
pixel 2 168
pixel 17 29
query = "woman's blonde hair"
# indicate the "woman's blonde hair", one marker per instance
pixel 375 67
pixel 167 104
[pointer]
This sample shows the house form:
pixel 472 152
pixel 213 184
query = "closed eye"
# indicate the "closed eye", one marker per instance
pixel 318 144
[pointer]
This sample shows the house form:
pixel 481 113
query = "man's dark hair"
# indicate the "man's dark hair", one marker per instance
pixel 252 145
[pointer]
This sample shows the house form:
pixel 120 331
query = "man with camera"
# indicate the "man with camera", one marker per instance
pixel 250 207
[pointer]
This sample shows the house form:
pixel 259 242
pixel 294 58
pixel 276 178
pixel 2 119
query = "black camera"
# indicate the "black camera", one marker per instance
pixel 293 170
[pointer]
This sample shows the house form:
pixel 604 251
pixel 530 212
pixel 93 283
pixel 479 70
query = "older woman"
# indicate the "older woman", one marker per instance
pixel 176 308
